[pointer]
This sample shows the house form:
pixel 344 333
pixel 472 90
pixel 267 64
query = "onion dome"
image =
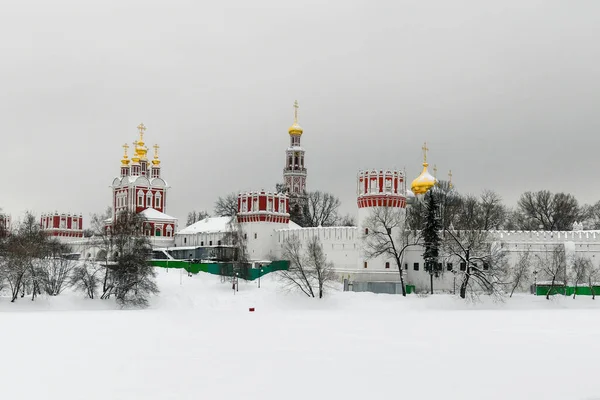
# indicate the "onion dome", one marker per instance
pixel 156 161
pixel 295 129
pixel 125 160
pixel 425 181
pixel 141 150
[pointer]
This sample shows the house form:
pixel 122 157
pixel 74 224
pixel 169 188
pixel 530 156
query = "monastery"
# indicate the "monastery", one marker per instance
pixel 264 217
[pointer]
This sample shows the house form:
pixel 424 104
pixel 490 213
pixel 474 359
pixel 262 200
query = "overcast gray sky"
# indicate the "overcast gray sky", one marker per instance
pixel 506 93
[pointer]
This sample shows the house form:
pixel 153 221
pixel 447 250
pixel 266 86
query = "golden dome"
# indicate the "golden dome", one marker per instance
pixel 295 129
pixel 125 160
pixel 156 161
pixel 425 181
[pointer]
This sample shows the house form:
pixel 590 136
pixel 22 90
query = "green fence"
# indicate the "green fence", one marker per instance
pixel 542 290
pixel 242 270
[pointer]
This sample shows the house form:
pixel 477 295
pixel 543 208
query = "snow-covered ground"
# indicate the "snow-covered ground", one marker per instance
pixel 199 341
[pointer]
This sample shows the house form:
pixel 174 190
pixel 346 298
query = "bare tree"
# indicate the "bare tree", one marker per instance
pixel 553 264
pixel 87 277
pixel 483 262
pixel 593 275
pixel 347 220
pixel 579 272
pixel 299 275
pixel 195 216
pixel 321 209
pixel 550 211
pixel 131 277
pixel 236 237
pixel 317 262
pixel 520 274
pixel 590 216
pixel 385 235
pixel 55 268
pixel 492 211
pixel 227 206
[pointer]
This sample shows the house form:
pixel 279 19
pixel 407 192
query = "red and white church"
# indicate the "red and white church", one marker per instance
pixel 141 189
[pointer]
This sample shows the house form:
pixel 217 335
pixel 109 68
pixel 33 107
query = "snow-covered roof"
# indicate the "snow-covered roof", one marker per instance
pixel 216 224
pixel 209 224
pixel 155 215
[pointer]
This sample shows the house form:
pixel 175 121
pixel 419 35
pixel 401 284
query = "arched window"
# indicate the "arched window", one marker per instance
pixel 157 200
pixel 149 199
pixel 169 231
pixel 140 198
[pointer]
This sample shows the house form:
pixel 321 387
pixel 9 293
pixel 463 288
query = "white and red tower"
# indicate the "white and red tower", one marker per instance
pixel 141 189
pixel 294 173
pixel 260 214
pixel 379 188
pixel 62 225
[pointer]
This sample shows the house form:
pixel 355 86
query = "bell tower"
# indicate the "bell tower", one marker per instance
pixel 294 173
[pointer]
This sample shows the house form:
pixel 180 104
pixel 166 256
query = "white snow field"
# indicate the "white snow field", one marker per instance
pixel 199 341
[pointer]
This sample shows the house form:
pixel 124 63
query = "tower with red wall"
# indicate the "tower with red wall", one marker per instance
pixel 260 214
pixel 62 225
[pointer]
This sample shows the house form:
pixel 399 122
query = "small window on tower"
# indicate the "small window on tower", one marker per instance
pixel 366 231
pixel 140 198
pixel 255 236
pixel 416 266
pixel 387 265
pixel 365 265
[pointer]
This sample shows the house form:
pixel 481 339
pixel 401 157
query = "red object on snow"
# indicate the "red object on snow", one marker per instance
pixel 251 309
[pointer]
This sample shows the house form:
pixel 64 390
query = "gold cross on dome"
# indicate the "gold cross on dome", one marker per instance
pixel 425 150
pixel 450 178
pixel 156 147
pixel 296 106
pixel 125 148
pixel 141 129
pixel 435 171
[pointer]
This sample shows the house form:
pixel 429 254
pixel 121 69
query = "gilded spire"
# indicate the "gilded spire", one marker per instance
pixel 141 129
pixel 450 179
pixel 156 161
pixel 125 160
pixel 295 129
pixel 140 149
pixel 425 150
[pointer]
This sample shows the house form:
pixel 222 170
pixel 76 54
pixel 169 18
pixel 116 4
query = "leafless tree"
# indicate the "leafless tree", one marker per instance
pixel 235 236
pixel 553 264
pixel 195 216
pixel 131 277
pixel 321 209
pixel 299 275
pixel 492 211
pixel 590 216
pixel 593 275
pixel 227 206
pixel 347 220
pixel 550 211
pixel 317 262
pixel 520 274
pixel 309 271
pixel 579 272
pixel 483 262
pixel 87 277
pixel 385 235
pixel 55 268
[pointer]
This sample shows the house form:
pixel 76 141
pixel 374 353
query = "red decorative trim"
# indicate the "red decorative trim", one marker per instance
pixel 278 219
pixel 381 201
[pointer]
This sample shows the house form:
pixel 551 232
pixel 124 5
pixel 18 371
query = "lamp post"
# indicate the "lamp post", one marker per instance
pixel 237 281
pixel 535 272
pixel 454 273
pixel 259 275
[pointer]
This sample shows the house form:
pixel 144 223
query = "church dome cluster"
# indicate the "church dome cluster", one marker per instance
pixel 425 180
